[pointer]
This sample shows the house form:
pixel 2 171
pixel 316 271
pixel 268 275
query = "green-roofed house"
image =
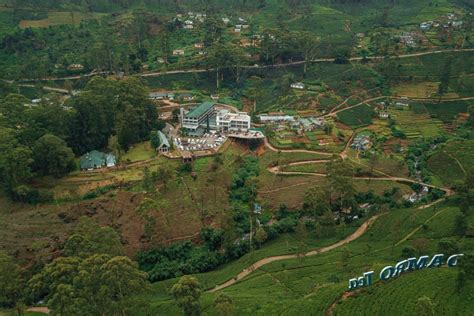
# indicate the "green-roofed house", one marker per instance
pixel 97 160
pixel 198 116
pixel 164 143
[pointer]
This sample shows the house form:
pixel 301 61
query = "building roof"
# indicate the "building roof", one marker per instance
pixel 163 139
pixel 200 109
pixel 110 160
pixel 96 159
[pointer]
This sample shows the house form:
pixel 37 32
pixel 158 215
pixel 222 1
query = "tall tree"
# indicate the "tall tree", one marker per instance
pixel 424 306
pixel 225 58
pixel 90 238
pixel 187 293
pixel 52 156
pixel 444 79
pixel 224 305
pixel 308 44
pixel 317 200
pixel 15 161
pixel 97 285
pixel 340 179
pixel 10 281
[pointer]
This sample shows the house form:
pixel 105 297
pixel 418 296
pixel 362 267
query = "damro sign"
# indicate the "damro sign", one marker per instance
pixel 404 266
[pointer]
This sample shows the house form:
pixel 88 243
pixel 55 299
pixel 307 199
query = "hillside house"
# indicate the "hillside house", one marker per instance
pixel 164 144
pixel 97 160
pixel 298 85
pixel 162 95
pixel 265 118
pixel 178 52
pixel 425 26
pixel 186 97
pixel 75 67
pixel 361 143
pixel 199 45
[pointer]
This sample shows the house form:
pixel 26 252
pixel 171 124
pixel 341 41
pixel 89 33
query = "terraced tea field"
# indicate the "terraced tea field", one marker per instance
pixel 416 125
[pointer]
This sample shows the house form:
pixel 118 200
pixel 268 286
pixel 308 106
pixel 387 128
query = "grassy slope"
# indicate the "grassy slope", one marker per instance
pixel 400 295
pixel 447 161
pixel 310 285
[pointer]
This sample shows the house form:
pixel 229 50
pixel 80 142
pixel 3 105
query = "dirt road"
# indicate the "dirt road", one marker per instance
pixel 186 71
pixel 359 232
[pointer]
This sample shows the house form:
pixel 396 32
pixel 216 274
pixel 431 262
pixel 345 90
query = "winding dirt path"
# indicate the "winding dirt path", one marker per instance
pixel 276 170
pixel 359 232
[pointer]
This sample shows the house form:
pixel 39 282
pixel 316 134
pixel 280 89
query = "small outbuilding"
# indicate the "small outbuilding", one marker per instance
pixel 164 143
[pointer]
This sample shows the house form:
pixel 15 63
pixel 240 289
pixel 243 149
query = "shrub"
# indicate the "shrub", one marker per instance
pixel 26 194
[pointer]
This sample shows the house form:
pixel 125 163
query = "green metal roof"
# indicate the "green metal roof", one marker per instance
pixel 163 139
pixel 93 159
pixel 200 109
pixel 96 159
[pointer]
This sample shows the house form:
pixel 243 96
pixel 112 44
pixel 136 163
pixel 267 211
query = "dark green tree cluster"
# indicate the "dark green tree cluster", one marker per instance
pixel 41 139
pixel 184 257
pixel 97 285
pixel 109 107
pixel 244 192
pixel 91 278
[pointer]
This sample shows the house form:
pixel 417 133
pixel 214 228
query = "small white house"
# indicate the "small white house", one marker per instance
pixel 178 52
pixel 298 85
pixel 425 26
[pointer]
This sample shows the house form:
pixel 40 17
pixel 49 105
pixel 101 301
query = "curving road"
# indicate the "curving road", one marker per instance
pixel 359 232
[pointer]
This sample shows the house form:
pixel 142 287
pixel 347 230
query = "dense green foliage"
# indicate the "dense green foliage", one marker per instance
pixel 95 285
pixel 39 139
pixel 10 281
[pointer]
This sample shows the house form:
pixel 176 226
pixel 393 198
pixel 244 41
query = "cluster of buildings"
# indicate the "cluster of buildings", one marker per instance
pixel 298 124
pixel 409 39
pixel 239 26
pixel 207 116
pixel 307 124
pixel 191 17
pixel 449 21
pixel 415 197
pixel 169 95
pixel 361 143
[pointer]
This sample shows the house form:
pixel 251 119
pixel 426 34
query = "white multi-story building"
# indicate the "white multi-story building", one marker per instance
pixel 198 117
pixel 232 122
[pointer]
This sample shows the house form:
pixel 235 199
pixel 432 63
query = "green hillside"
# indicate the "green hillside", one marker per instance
pixel 311 285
